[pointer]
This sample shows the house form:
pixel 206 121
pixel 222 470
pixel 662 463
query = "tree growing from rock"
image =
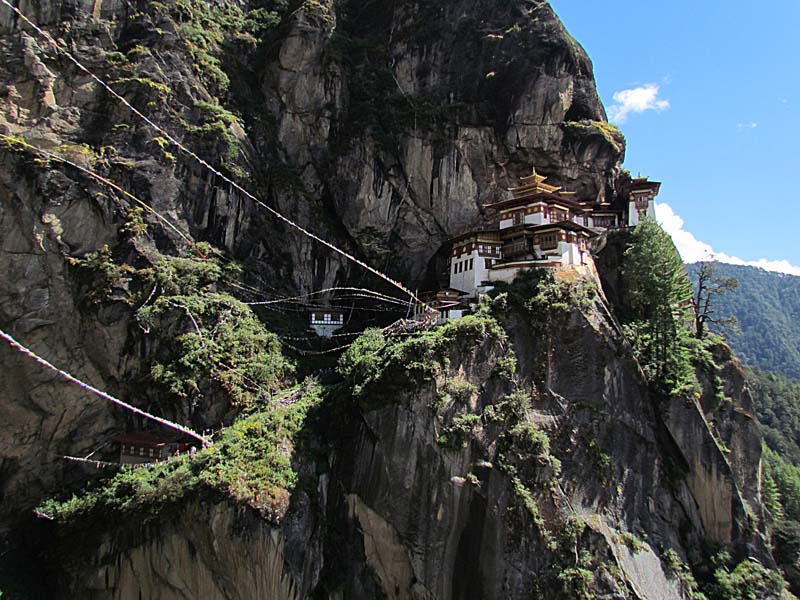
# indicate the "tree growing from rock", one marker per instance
pixel 710 285
pixel 659 318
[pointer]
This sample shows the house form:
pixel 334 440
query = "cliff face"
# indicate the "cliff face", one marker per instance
pixel 455 478
pixel 384 127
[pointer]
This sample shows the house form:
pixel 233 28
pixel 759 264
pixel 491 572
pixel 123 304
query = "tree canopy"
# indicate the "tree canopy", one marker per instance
pixel 658 316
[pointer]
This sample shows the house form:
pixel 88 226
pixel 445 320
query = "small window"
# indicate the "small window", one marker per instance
pixel 470 264
pixel 549 241
pixel 455 268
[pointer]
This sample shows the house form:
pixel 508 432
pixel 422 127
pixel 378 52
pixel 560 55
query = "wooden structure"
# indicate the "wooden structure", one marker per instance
pixel 145 447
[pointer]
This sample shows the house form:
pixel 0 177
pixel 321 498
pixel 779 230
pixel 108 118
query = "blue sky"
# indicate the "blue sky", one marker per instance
pixel 717 89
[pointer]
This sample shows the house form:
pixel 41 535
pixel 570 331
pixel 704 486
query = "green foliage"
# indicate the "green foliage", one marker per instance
pixel 364 363
pixel 786 543
pixel 766 306
pixel 210 30
pixel 528 440
pixel 578 131
pixel 783 477
pixel 217 340
pixel 749 580
pixel 777 403
pixel 683 573
pixel 511 408
pixel 457 391
pixel 658 315
pixel 101 274
pixel 576 583
pixel 134 223
pixel 161 89
pixel 250 462
pixel 116 59
pixel 176 275
pixel 253 461
pixel 215 126
pixel 633 543
pixel 601 460
pixel 525 497
pixel 542 297
pixel 373 365
pixel 454 436
pixel 13 143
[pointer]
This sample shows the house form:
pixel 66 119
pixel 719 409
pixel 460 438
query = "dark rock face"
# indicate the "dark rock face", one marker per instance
pixel 476 94
pixel 402 514
pixel 384 127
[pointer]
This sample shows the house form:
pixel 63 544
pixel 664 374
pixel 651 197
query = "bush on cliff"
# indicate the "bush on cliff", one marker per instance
pixel 250 462
pixel 375 364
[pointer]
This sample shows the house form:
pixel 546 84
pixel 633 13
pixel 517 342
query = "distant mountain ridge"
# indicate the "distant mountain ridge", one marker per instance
pixel 767 306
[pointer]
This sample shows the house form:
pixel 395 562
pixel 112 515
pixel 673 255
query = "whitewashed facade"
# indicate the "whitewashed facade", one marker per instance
pixel 540 226
pixel 641 200
pixel 326 322
pixel 471 258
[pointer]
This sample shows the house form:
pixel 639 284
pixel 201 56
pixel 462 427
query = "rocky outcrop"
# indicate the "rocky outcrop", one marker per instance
pixel 209 549
pixel 434 522
pixel 385 127
pixel 464 112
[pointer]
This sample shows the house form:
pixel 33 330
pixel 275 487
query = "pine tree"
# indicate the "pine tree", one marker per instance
pixel 660 318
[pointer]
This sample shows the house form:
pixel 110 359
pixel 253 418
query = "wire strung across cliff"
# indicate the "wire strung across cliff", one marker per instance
pixel 64 375
pixel 65 52
pixel 363 292
pixel 105 181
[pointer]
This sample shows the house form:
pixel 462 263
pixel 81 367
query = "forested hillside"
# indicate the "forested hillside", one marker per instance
pixel 767 307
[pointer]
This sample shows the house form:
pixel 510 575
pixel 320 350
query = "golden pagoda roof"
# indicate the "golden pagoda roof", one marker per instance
pixel 533 183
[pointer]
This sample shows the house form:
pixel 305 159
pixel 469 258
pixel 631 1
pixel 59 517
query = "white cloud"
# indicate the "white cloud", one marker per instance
pixel 749 125
pixel 637 100
pixel 693 250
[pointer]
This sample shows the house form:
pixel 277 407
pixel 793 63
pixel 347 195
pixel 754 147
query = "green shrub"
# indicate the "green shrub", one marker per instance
pixel 749 580
pixel 512 407
pixel 455 435
pixel 250 462
pixel 101 275
pixel 529 440
pixel 576 583
pixel 375 366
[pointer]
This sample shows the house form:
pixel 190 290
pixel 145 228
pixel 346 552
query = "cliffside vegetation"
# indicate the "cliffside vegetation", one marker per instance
pixel 656 312
pixel 204 337
pixel 766 307
pixel 250 461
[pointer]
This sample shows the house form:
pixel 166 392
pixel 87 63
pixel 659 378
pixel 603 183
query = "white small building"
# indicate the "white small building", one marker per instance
pixel 326 321
pixel 448 305
pixel 471 257
pixel 641 199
